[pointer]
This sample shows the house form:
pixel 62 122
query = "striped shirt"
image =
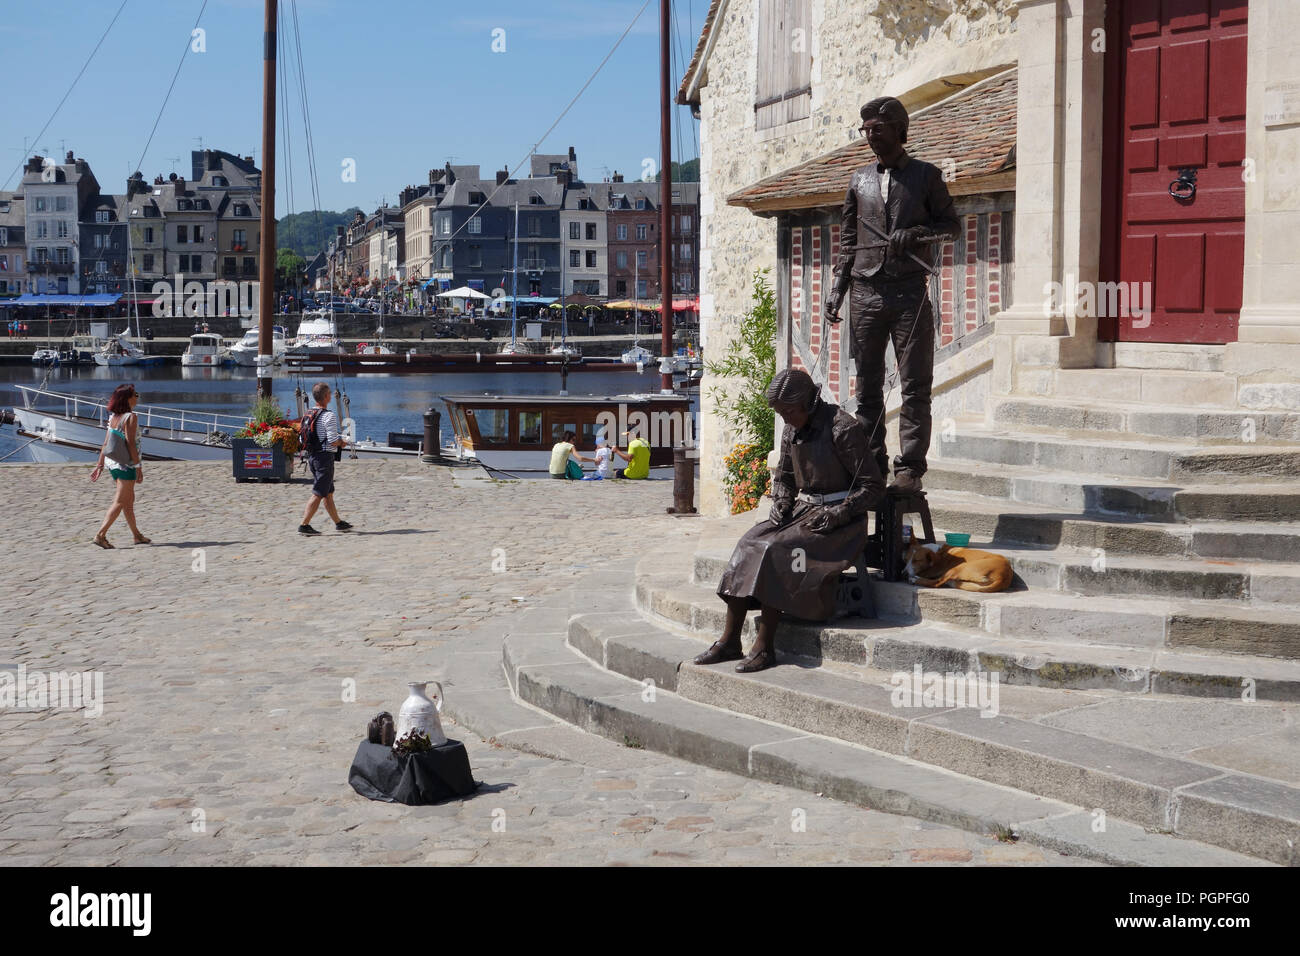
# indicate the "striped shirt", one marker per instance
pixel 327 429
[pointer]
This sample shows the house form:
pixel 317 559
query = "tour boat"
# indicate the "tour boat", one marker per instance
pixel 514 434
pixel 245 352
pixel 206 350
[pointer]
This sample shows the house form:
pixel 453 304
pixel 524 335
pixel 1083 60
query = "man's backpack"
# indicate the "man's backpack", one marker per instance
pixel 307 437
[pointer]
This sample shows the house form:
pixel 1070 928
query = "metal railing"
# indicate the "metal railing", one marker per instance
pixel 172 420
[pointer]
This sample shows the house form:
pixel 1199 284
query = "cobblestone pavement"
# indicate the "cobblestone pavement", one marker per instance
pixel 241 663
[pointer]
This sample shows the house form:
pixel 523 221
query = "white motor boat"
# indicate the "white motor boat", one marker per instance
pixel 572 351
pixel 45 357
pixel 317 336
pixel 245 351
pixel 206 350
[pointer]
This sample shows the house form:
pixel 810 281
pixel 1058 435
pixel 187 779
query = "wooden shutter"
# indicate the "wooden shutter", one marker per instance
pixel 784 91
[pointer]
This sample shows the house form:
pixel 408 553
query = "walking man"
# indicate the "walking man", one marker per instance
pixel 322 428
pixel 895 209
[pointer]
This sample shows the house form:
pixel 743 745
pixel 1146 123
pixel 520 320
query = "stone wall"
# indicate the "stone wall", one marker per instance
pixel 859 50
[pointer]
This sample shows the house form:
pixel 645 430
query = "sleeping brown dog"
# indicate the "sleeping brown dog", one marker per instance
pixel 934 565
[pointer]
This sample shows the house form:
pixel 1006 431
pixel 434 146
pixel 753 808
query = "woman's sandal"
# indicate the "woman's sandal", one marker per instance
pixel 719 651
pixel 102 541
pixel 757 661
pixel 141 539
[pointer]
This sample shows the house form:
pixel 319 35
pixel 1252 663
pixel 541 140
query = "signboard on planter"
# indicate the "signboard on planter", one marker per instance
pixel 251 461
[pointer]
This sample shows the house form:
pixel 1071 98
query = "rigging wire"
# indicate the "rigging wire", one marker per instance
pixel 617 43
pixel 140 163
pixel 102 38
pixel 287 137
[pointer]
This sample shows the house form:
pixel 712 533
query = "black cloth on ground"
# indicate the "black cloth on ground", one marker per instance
pixel 417 779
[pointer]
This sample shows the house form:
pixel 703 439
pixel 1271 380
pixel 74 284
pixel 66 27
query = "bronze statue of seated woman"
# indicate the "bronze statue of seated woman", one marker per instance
pixel 826 484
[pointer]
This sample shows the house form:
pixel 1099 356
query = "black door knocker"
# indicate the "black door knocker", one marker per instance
pixel 1184 187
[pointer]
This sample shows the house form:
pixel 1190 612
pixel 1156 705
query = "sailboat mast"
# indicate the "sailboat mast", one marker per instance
pixel 514 283
pixel 266 242
pixel 665 196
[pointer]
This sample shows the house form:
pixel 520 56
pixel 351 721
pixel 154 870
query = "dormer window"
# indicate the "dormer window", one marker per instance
pixel 184 204
pixel 535 200
pixel 101 215
pixel 241 209
pixel 640 203
pixel 220 181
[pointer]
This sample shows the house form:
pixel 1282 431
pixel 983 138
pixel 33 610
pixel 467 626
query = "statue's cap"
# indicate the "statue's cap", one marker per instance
pixel 889 109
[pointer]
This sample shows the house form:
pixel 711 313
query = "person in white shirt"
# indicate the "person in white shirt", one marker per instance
pixel 320 455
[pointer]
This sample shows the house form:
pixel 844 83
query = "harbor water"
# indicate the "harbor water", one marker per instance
pixel 379 403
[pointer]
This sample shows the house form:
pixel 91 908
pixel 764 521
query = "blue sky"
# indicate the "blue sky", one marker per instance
pixel 399 86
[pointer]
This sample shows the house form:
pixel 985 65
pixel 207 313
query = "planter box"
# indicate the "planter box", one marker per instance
pixel 253 462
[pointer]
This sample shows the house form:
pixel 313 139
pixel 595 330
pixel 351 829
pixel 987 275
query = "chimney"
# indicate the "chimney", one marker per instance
pixel 172 177
pixel 34 164
pixel 502 175
pixel 69 160
pixel 618 177
pixel 563 176
pixel 573 155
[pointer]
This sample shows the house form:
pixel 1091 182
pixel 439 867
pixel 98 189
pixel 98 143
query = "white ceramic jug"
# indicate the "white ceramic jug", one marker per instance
pixel 420 713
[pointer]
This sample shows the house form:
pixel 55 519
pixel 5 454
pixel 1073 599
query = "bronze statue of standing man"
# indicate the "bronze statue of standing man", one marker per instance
pixel 896 209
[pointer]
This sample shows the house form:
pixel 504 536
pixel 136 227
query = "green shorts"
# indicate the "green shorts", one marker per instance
pixel 123 474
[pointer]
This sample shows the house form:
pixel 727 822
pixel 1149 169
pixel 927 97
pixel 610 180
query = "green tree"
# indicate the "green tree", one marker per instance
pixel 687 172
pixel 308 233
pixel 289 264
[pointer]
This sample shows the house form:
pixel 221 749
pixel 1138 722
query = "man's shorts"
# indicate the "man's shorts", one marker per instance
pixel 322 469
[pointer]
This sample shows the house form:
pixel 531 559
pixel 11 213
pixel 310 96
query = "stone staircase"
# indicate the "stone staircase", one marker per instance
pixel 1148 654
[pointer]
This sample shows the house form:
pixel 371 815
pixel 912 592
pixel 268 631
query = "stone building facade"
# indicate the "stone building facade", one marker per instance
pixel 855 54
pixel 1153 148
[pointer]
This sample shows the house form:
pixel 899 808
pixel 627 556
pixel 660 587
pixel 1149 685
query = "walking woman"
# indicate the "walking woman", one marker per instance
pixel 121 452
pixel 791 563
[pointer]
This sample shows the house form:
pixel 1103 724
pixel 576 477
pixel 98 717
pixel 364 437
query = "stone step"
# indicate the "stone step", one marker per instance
pixel 1147 386
pixel 1099 497
pixel 842 735
pixel 893 643
pixel 998 522
pixel 1251 584
pixel 1141 622
pixel 1118 456
pixel 1095 415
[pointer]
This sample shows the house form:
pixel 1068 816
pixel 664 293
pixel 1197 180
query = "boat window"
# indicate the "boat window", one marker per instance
pixel 493 425
pixel 589 434
pixel 530 428
pixel 558 430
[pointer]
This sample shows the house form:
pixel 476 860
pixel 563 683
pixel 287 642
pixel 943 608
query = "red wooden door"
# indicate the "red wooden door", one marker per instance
pixel 1181 75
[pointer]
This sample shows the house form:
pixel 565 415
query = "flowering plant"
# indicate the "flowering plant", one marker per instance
pixel 747 477
pixel 269 427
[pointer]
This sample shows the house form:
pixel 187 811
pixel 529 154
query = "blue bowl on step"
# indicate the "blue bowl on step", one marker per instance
pixel 957 540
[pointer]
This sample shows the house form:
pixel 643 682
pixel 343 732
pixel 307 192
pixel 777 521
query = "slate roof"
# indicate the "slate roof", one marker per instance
pixel 975 128
pixel 697 60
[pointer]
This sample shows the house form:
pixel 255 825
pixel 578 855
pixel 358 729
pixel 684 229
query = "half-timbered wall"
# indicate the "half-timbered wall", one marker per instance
pixel 969 287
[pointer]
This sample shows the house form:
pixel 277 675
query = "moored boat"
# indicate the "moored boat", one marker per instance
pixel 514 434
pixel 206 350
pixel 246 353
